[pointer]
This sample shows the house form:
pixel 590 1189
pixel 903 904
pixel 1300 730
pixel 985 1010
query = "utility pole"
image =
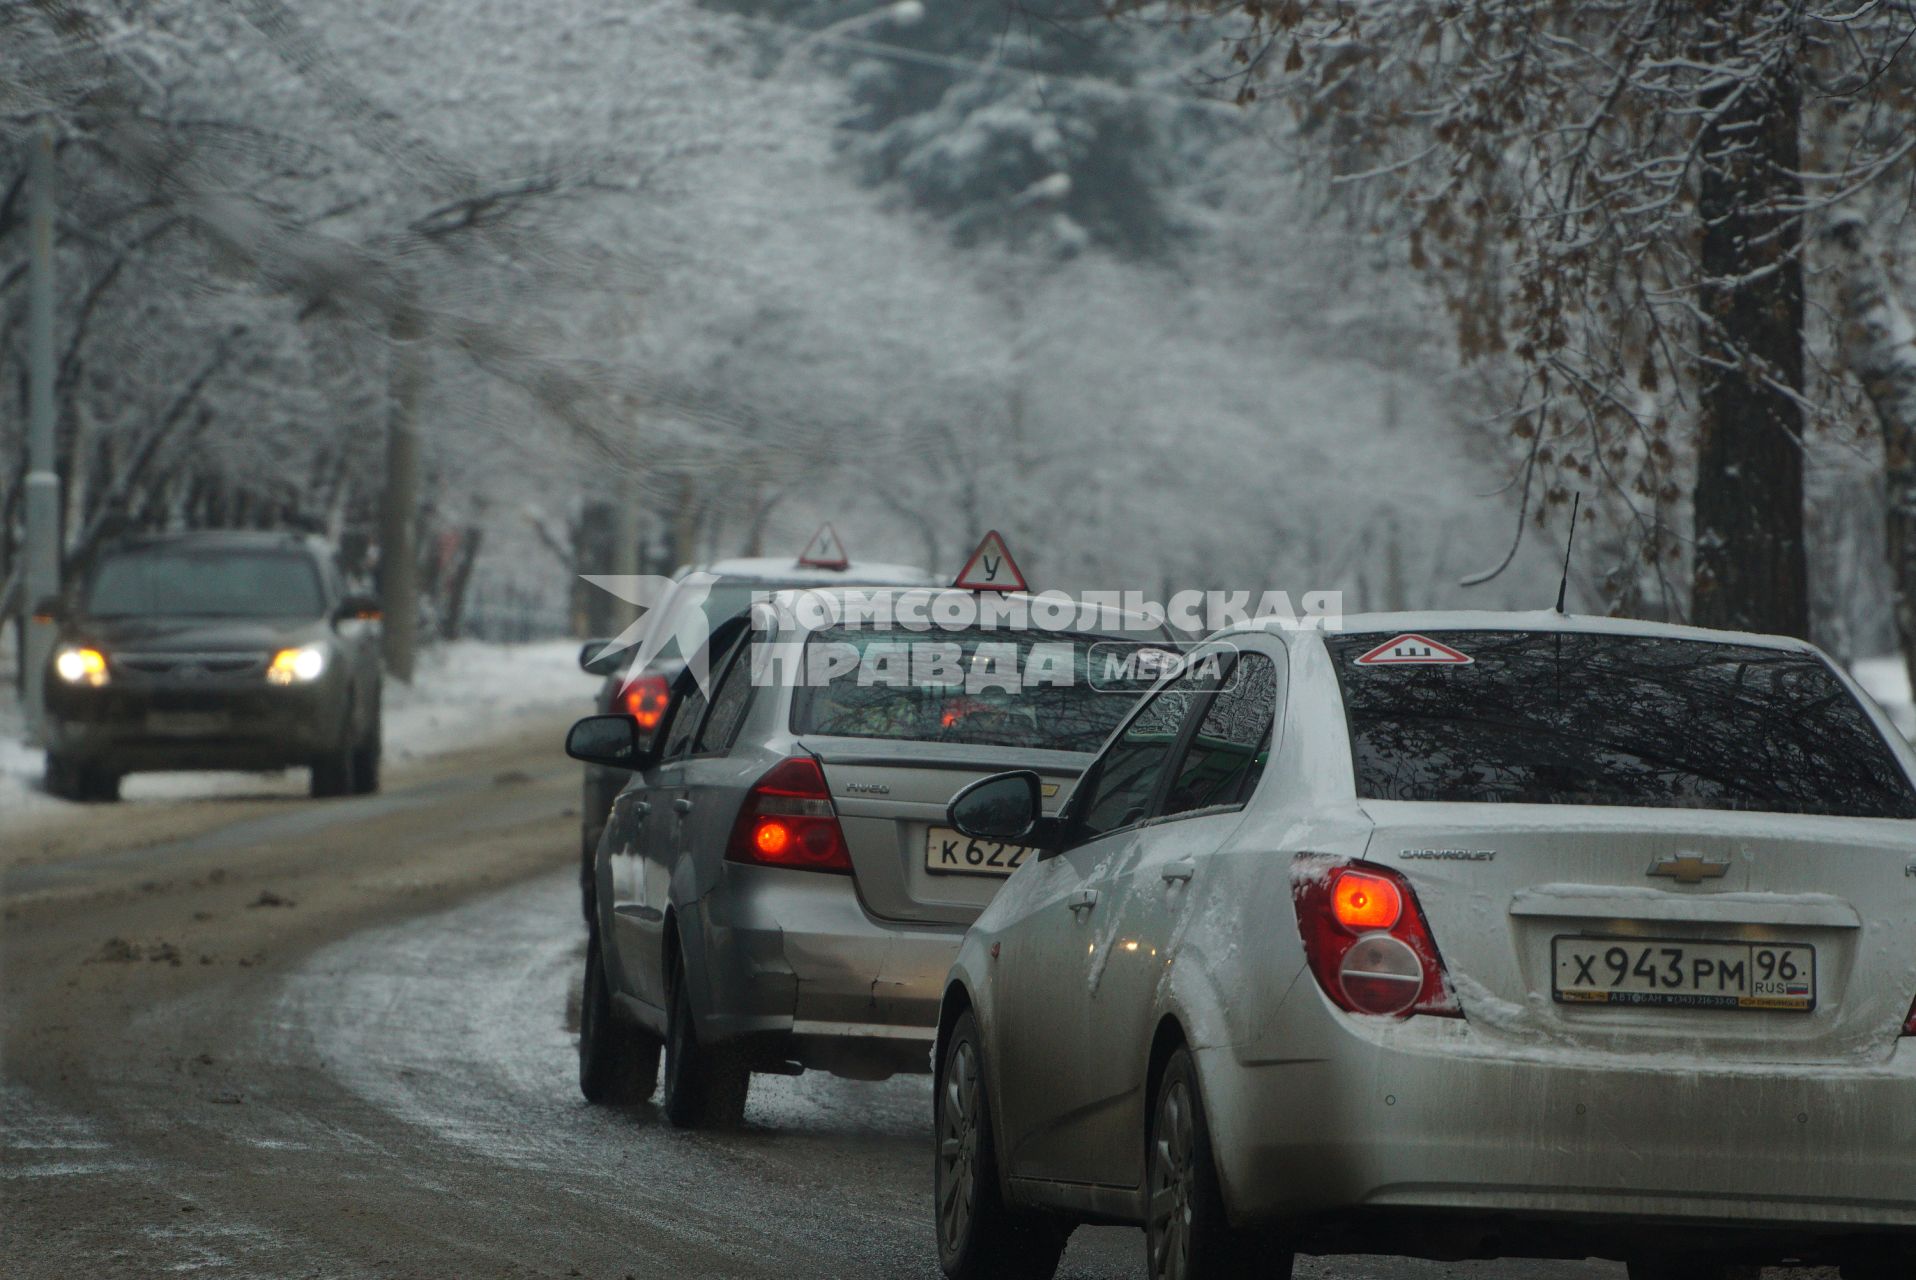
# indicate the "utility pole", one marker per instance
pixel 42 542
pixel 398 556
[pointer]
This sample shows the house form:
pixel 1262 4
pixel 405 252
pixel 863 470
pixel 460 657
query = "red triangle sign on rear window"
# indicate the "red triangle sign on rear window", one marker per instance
pixel 1412 650
pixel 824 551
pixel 990 568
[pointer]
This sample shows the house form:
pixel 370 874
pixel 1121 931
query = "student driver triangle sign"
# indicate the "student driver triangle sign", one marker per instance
pixel 824 551
pixel 1412 650
pixel 990 568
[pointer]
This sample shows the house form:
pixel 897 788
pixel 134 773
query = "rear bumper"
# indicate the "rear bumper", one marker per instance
pixel 1430 1119
pixel 792 957
pixel 128 730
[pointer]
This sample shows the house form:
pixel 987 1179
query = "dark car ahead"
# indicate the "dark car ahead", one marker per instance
pixel 215 650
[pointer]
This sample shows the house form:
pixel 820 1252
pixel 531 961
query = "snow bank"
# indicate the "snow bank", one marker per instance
pixel 463 693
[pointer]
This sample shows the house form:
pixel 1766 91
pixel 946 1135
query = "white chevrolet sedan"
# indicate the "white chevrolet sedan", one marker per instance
pixel 1450 935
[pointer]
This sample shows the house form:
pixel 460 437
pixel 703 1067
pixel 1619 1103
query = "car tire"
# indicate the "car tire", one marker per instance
pixel 1688 1268
pixel 1187 1231
pixel 618 1062
pixel 62 778
pixel 588 876
pixel 333 774
pixel 365 767
pixel 979 1237
pixel 99 786
pixel 705 1086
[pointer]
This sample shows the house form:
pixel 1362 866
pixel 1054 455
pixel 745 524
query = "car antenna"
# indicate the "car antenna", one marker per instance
pixel 1563 583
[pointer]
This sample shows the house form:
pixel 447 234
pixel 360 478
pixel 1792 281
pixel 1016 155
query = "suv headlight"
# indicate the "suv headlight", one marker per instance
pixel 76 665
pixel 297 666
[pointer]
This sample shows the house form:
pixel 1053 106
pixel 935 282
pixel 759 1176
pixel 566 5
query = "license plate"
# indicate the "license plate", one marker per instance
pixel 187 723
pixel 949 852
pixel 1681 974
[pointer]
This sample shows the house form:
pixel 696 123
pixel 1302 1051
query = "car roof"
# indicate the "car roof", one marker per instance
pixel 1123 622
pixel 1533 620
pixel 782 570
pixel 219 540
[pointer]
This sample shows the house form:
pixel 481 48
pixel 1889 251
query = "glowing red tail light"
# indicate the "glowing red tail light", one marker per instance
pixel 787 820
pixel 646 699
pixel 1367 941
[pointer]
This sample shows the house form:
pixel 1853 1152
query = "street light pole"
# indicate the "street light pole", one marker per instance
pixel 41 549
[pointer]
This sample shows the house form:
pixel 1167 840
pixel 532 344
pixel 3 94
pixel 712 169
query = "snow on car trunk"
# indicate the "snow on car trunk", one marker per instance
pixel 1739 935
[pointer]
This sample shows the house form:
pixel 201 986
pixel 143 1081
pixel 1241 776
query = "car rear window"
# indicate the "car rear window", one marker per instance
pixel 981 686
pixel 1593 719
pixel 206 584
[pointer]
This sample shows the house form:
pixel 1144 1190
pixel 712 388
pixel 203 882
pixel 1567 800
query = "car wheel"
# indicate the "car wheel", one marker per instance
pixel 618 1062
pixel 705 1087
pixel 365 766
pixel 77 780
pixel 979 1238
pixel 1680 1268
pixel 99 785
pixel 62 778
pixel 333 773
pixel 1187 1234
pixel 588 875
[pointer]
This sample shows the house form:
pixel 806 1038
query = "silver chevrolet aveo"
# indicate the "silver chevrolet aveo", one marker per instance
pixel 1450 935
pixel 775 888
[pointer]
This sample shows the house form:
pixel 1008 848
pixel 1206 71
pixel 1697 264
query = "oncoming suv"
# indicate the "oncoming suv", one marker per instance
pixel 213 650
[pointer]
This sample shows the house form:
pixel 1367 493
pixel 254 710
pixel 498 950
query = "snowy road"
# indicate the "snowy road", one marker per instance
pixel 280 1038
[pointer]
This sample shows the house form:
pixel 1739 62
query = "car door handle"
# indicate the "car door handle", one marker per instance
pixel 1082 899
pixel 1181 870
pixel 682 805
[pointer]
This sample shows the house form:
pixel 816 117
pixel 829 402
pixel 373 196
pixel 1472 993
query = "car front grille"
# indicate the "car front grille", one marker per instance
pixel 190 666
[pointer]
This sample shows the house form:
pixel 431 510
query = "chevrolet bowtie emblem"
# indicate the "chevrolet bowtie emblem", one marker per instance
pixel 1689 868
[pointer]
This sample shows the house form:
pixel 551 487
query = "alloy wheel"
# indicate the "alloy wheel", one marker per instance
pixel 1171 1185
pixel 958 1145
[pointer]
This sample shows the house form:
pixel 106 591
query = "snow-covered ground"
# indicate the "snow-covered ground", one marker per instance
pixel 462 693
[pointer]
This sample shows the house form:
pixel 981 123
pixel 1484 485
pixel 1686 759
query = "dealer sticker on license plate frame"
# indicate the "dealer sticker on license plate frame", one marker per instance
pixel 1684 973
pixel 952 853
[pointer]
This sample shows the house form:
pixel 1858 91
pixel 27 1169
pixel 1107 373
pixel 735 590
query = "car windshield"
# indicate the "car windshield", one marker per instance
pixel 1594 719
pixel 213 584
pixel 982 686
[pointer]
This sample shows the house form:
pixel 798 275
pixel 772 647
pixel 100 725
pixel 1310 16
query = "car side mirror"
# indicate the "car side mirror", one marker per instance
pixel 615 742
pixel 1006 807
pixel 51 609
pixel 358 609
pixel 600 658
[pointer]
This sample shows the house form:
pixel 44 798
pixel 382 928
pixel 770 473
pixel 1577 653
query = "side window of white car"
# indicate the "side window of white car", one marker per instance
pixel 729 700
pixel 1126 776
pixel 1226 756
pixel 685 723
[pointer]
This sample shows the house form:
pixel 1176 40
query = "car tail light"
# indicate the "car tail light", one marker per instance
pixel 1367 940
pixel 787 820
pixel 1909 1023
pixel 646 699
